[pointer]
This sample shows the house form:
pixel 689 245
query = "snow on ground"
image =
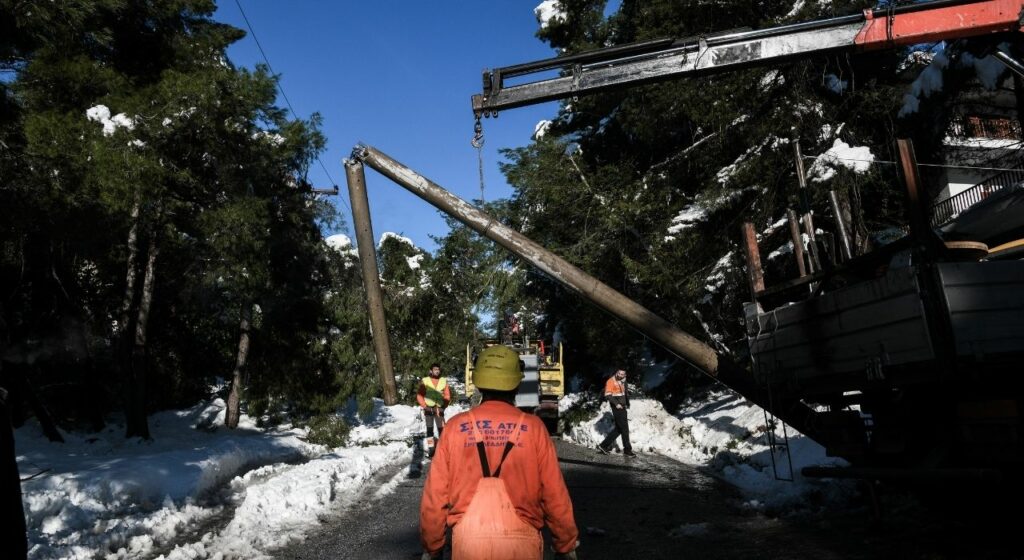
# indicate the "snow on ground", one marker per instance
pixel 199 491
pixel 105 496
pixel 726 434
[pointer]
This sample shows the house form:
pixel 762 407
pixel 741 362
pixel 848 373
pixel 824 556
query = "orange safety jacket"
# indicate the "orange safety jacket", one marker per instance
pixel 614 388
pixel 433 390
pixel 531 474
pixel 615 392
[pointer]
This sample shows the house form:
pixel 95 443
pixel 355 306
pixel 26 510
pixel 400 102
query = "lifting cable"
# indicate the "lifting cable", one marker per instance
pixel 478 143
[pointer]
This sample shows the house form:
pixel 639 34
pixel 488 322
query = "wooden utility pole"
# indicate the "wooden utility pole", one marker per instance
pixel 798 242
pixel 844 239
pixel 805 202
pixel 371 277
pixel 755 275
pixel 919 227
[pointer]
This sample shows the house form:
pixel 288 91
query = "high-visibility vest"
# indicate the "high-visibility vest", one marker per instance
pixel 434 396
pixel 614 388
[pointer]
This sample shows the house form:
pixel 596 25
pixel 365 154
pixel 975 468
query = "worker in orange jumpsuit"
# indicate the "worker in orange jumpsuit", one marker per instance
pixel 496 516
pixel 618 399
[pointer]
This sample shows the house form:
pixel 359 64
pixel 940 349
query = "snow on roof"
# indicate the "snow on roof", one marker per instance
pixel 855 158
pixel 390 235
pixel 549 10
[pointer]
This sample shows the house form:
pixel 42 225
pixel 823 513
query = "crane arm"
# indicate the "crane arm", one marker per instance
pixel 661 60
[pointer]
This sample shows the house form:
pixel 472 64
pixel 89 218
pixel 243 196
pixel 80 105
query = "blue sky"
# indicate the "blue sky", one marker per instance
pixel 398 75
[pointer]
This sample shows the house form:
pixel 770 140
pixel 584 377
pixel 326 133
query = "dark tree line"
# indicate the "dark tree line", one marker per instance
pixel 158 236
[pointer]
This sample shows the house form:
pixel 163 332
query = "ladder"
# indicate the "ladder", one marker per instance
pixel 777 445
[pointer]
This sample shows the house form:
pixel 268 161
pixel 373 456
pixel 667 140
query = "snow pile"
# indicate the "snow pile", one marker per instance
pixel 855 158
pixel 104 492
pixel 280 501
pixel 725 433
pixel 548 11
pixel 204 490
pixel 386 424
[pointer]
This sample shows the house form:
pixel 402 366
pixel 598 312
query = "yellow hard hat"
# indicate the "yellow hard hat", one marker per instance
pixel 498 369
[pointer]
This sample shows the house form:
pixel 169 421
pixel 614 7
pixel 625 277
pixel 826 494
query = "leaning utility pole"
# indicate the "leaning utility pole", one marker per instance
pixel 660 331
pixel 371 277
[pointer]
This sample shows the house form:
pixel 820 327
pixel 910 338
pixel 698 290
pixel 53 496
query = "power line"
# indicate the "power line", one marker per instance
pixel 283 94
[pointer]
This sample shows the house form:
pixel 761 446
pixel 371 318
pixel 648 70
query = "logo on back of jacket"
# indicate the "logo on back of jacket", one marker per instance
pixel 495 435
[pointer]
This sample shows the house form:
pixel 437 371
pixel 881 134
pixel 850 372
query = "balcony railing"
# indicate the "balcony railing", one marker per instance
pixel 946 210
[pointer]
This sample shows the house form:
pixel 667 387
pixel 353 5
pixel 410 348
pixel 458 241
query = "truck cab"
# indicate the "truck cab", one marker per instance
pixel 543 377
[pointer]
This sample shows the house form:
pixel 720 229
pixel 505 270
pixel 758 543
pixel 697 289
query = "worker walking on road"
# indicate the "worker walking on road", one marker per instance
pixel 495 479
pixel 618 399
pixel 433 396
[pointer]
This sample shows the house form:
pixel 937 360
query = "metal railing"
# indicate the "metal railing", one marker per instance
pixel 946 210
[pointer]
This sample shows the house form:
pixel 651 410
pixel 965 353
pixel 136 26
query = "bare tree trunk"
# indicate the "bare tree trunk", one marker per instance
pixel 235 396
pixel 137 424
pixel 133 252
pixel 860 237
pixel 42 414
pixel 13 534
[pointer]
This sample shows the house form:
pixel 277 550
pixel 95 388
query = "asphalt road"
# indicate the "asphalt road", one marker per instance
pixel 654 507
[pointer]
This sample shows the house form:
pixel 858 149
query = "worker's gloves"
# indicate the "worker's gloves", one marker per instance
pixel 571 555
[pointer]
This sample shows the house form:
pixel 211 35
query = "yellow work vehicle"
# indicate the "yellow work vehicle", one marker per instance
pixel 543 377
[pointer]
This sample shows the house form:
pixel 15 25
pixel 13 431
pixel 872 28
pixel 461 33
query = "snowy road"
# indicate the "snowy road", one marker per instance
pixel 649 507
